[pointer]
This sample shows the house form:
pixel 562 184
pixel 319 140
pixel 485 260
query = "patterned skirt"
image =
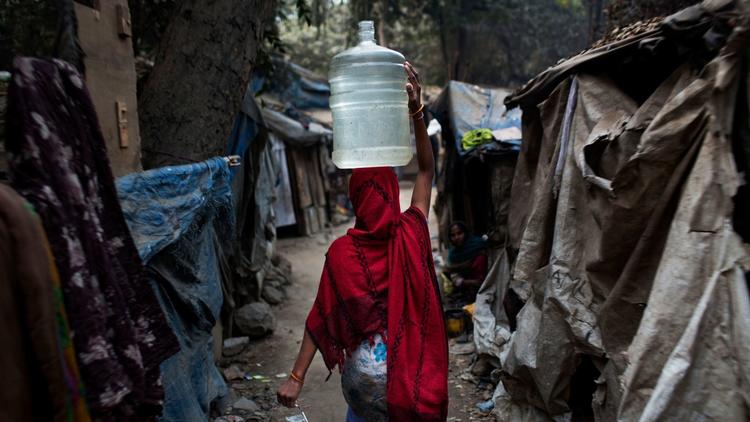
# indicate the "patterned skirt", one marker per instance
pixel 364 382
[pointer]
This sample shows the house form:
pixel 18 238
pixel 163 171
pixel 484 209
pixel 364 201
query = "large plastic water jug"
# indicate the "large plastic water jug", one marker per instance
pixel 369 105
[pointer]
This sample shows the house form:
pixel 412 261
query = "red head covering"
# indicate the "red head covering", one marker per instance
pixel 374 194
pixel 380 277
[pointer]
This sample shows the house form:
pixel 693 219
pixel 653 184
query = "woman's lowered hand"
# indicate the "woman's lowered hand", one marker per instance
pixel 288 393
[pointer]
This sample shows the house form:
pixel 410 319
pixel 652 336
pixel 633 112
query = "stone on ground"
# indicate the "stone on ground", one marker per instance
pixel 233 373
pixel 230 418
pixel 246 404
pixel 255 319
pixel 273 294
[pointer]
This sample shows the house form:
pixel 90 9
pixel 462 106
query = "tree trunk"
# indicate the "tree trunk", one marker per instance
pixel 382 22
pixel 596 8
pixel 598 12
pixel 202 67
pixel 443 30
pixel 459 64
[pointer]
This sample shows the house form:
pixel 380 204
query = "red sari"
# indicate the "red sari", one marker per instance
pixel 380 278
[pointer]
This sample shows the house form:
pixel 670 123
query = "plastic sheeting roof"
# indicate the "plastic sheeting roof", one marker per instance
pixel 294 85
pixel 293 131
pixel 464 107
pixel 297 91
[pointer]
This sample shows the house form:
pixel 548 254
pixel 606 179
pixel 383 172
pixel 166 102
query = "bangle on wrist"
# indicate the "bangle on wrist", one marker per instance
pixel 296 378
pixel 420 116
pixel 419 110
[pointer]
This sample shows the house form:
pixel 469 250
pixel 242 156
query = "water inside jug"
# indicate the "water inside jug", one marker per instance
pixel 369 105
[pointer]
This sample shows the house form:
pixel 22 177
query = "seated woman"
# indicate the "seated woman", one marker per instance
pixel 467 263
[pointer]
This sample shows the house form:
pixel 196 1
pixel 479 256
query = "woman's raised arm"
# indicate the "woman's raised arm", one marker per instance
pixel 422 193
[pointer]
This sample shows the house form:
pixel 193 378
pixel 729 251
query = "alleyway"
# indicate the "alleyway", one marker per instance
pixel 270 359
pixel 158 158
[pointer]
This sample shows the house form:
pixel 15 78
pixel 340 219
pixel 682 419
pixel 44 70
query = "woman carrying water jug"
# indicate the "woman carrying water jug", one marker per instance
pixel 377 314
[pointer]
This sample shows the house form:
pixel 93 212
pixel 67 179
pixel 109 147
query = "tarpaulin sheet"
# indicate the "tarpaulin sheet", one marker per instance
pixel 622 213
pixel 252 192
pixel 284 205
pixel 306 90
pixel 178 217
pixel 294 85
pixel 463 183
pixel 463 107
pixel 246 126
pixel 294 132
pixel 265 215
pixel 491 324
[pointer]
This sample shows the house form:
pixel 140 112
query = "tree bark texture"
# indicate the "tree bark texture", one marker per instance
pixel 595 15
pixel 201 70
pixel 442 30
pixel 382 22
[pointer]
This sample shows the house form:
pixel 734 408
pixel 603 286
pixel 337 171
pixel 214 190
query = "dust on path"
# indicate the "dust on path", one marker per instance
pixel 323 401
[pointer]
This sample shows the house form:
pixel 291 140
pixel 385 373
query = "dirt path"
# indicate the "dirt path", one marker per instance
pixel 271 357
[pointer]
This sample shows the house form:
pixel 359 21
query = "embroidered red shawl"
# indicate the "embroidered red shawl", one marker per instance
pixel 380 277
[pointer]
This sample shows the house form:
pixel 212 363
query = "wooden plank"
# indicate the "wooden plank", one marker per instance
pixel 314 173
pixel 323 162
pixel 322 216
pixel 111 79
pixel 302 186
pixel 311 214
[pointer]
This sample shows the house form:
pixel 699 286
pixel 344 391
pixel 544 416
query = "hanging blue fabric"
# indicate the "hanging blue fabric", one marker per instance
pixel 178 217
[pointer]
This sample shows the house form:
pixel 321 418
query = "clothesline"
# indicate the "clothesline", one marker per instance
pixel 232 160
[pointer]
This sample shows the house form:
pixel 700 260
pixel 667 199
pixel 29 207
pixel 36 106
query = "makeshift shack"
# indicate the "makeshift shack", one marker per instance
pixel 295 110
pixel 629 222
pixel 468 174
pixel 253 192
pixel 266 189
pixel 303 157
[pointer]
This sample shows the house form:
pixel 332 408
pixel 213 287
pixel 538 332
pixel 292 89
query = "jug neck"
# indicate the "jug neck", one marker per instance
pixel 366 32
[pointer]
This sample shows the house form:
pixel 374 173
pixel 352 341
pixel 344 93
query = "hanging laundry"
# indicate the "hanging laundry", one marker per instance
pixel 475 138
pixel 29 359
pixel 76 408
pixel 58 162
pixel 181 219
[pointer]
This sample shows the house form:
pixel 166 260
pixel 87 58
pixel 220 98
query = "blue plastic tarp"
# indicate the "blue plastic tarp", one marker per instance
pixel 177 217
pixel 246 126
pixel 295 85
pixel 463 107
pixel 304 90
pixel 298 89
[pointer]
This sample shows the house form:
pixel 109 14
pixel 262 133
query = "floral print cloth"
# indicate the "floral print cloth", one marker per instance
pixel 364 382
pixel 76 408
pixel 58 162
